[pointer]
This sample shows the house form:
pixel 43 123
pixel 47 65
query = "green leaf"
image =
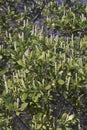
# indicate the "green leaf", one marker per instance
pixel 70 117
pixel 59 129
pixel 15 105
pixel 0 57
pixel 23 106
pixel 64 116
pixel 39 126
pixel 24 96
pixel 85 67
pixel 18 1
pixel 13 56
pixel 2 72
pixel 61 82
pixel 48 87
pixel 20 62
pixel 17 113
pixel 37 97
pixel 10 107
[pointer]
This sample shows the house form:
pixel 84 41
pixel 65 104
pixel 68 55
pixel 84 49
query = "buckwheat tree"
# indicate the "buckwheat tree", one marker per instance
pixel 43 65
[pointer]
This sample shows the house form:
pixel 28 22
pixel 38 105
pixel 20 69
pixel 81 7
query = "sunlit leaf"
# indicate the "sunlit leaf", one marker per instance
pixel 48 87
pixel 23 106
pixel 20 62
pixel 70 117
pixel 61 82
pixel 24 96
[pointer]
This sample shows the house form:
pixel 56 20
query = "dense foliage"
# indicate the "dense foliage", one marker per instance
pixel 43 65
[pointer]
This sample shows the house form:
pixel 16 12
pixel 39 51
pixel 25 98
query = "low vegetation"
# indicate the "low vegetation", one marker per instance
pixel 43 67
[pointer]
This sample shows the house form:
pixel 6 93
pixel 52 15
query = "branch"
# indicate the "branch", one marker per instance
pixel 25 127
pixel 39 11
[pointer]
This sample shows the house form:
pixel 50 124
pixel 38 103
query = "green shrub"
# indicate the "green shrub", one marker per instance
pixel 45 77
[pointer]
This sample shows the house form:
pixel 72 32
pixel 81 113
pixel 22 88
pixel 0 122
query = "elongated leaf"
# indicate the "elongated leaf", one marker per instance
pixel 23 106
pixel 2 72
pixel 20 62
